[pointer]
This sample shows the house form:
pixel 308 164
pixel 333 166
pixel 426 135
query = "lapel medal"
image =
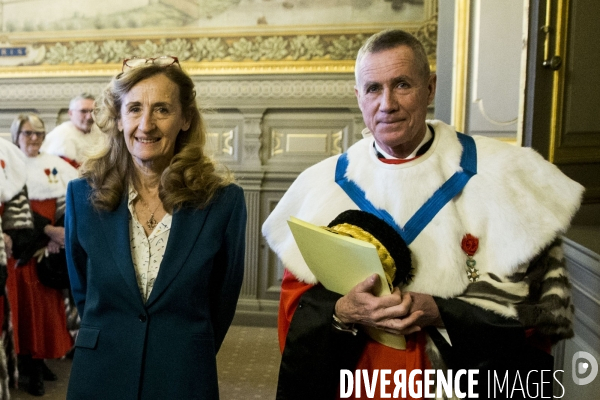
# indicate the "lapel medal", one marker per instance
pixel 48 172
pixel 470 244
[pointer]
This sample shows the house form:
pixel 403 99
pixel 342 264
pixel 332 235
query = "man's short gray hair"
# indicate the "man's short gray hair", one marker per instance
pixel 390 39
pixel 76 99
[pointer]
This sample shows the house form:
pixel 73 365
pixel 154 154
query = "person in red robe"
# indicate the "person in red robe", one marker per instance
pixel 16 228
pixel 38 311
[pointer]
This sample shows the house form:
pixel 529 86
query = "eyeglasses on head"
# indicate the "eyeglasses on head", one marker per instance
pixel 162 61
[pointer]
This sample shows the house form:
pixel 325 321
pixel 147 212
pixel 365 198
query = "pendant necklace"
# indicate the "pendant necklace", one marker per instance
pixel 151 222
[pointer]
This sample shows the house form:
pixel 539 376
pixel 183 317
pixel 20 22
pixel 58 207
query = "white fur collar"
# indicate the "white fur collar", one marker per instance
pixel 515 205
pixel 47 176
pixel 67 141
pixel 12 170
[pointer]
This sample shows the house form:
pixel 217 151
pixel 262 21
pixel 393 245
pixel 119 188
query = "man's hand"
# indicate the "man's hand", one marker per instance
pixel 430 312
pixel 53 247
pixel 7 245
pixel 391 313
pixel 56 234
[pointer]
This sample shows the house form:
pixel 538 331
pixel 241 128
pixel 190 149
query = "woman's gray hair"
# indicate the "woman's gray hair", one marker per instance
pixel 76 99
pixel 36 123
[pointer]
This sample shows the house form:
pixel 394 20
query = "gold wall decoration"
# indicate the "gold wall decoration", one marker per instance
pixel 221 143
pixel 68 47
pixel 305 141
pixel 461 62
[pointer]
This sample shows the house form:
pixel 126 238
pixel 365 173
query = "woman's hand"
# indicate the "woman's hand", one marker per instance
pixel 56 234
pixel 7 245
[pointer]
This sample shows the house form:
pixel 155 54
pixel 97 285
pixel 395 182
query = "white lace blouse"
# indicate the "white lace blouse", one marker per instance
pixel 146 252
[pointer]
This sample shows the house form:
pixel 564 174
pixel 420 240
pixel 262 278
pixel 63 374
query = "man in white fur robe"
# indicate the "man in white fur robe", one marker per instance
pixel 16 228
pixel 73 139
pixel 468 306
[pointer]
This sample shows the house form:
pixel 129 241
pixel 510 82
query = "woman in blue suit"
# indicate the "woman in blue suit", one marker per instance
pixel 155 244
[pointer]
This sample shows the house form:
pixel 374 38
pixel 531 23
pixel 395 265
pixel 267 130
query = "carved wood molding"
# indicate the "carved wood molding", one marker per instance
pixel 333 89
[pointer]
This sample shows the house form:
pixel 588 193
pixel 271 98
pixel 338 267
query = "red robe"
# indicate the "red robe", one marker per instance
pixel 2 303
pixel 374 355
pixel 38 312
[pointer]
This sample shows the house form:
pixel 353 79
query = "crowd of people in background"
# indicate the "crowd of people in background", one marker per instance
pixel 39 320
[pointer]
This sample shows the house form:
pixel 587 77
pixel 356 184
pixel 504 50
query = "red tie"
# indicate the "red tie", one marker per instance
pixel 396 160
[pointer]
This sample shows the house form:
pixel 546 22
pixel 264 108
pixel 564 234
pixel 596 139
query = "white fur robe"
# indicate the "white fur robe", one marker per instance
pixel 516 205
pixel 12 170
pixel 42 183
pixel 67 141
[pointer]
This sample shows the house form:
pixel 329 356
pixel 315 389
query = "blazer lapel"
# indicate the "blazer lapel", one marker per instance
pixel 116 231
pixel 186 225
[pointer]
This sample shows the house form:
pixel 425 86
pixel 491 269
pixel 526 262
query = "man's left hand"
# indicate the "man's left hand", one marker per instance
pixel 430 312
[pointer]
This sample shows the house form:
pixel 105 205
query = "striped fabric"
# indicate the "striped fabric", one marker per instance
pixel 538 294
pixel 60 208
pixel 17 214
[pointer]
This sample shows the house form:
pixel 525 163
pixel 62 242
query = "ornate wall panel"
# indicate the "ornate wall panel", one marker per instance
pixel 584 269
pixel 488 74
pixel 224 135
pixel 307 137
pixel 222 97
pixel 274 268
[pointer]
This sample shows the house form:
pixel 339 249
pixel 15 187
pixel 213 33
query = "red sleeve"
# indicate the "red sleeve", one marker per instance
pixel 73 163
pixel 291 291
pixel 538 340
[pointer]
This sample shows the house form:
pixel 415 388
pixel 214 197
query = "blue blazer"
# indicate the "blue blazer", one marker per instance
pixel 165 348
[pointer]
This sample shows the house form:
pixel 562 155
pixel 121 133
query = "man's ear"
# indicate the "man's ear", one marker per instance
pixel 431 85
pixel 357 94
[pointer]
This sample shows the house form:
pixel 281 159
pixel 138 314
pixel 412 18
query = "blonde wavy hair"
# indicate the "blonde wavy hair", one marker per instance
pixel 190 179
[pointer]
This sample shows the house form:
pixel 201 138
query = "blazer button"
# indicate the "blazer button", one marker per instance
pixel 142 317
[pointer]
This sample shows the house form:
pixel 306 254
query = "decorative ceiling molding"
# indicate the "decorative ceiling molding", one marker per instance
pixel 262 50
pixel 333 89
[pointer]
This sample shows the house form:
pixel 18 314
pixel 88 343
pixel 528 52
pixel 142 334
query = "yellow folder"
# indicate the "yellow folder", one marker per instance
pixel 339 263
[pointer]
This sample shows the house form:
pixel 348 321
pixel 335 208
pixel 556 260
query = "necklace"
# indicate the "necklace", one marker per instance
pixel 151 222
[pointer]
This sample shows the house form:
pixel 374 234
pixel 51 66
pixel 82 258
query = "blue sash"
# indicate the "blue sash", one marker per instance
pixel 418 222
